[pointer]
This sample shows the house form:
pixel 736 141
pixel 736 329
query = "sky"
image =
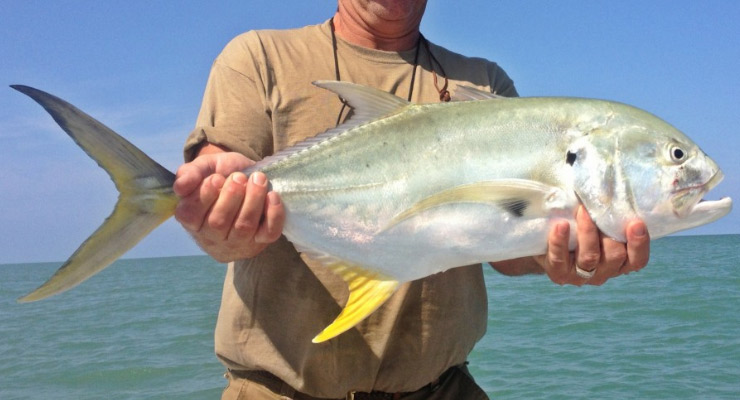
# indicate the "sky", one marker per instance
pixel 140 67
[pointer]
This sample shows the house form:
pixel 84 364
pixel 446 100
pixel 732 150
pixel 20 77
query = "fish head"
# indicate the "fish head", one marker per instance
pixel 638 166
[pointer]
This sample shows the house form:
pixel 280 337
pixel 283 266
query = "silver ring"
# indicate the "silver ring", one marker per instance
pixel 585 274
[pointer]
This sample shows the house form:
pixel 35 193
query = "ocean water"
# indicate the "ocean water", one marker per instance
pixel 143 329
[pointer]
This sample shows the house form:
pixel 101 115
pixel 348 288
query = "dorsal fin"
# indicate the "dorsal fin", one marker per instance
pixel 368 104
pixel 468 93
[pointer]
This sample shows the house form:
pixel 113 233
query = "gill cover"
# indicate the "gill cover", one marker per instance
pixel 599 182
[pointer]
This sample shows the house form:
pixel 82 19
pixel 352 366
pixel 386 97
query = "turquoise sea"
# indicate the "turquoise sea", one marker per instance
pixel 143 329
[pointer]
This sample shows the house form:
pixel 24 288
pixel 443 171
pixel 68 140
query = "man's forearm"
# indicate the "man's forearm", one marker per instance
pixel 518 267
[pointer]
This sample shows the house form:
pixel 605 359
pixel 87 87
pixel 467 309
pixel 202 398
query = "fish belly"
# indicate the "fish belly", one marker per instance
pixel 428 243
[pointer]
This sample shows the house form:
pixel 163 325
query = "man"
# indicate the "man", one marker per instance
pixel 259 99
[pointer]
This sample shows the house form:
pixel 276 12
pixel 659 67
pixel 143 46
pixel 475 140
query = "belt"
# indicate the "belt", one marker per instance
pixel 276 385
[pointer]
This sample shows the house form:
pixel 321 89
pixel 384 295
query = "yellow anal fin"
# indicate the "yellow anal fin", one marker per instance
pixel 368 290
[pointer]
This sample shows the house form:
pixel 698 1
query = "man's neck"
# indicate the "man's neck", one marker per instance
pixel 365 28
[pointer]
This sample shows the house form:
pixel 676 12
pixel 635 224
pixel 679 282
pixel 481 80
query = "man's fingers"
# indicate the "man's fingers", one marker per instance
pixel 226 207
pixel 187 179
pixel 272 227
pixel 588 249
pixel 614 255
pixel 190 175
pixel 250 215
pixel 558 263
pixel 192 210
pixel 638 247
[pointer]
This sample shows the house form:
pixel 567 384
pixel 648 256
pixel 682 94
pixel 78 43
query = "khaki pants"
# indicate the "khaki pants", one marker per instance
pixel 457 384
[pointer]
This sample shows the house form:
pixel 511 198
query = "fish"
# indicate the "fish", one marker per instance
pixel 401 191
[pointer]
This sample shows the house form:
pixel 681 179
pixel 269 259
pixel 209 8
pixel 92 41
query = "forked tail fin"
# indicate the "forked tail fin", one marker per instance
pixel 145 201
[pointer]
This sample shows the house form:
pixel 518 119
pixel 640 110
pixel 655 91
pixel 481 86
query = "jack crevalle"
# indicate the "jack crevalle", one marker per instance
pixel 403 191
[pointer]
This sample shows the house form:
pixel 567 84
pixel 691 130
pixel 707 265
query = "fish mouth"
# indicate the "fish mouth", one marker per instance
pixel 689 204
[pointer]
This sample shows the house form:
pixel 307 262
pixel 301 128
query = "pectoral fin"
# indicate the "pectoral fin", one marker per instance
pixel 518 197
pixel 368 290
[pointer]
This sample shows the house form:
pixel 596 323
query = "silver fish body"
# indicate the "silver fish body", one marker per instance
pixel 404 191
pixel 343 197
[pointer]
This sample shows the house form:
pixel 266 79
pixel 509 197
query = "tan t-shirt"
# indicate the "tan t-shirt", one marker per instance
pixel 259 99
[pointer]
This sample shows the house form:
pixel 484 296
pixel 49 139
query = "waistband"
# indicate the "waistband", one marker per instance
pixel 276 385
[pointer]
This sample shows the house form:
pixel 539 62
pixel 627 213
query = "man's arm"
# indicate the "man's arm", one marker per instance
pixel 594 252
pixel 518 267
pixel 230 216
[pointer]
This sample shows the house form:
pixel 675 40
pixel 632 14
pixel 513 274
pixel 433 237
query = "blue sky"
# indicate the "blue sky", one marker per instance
pixel 140 67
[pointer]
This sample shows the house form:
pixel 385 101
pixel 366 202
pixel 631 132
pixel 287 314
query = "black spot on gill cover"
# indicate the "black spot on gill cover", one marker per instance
pixel 570 158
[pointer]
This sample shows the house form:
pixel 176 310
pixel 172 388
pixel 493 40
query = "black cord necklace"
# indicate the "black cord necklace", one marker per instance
pixel 444 94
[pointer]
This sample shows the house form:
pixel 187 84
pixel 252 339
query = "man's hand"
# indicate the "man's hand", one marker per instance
pixel 594 252
pixel 229 215
pixel 607 258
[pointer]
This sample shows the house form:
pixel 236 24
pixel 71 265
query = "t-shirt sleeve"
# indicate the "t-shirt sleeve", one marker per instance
pixel 234 112
pixel 475 71
pixel 500 81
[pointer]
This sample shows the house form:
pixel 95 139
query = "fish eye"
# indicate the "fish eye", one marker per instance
pixel 677 154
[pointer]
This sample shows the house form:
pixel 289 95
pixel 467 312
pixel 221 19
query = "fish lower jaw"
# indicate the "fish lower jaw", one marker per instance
pixel 706 211
pixel 723 205
pixel 701 213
